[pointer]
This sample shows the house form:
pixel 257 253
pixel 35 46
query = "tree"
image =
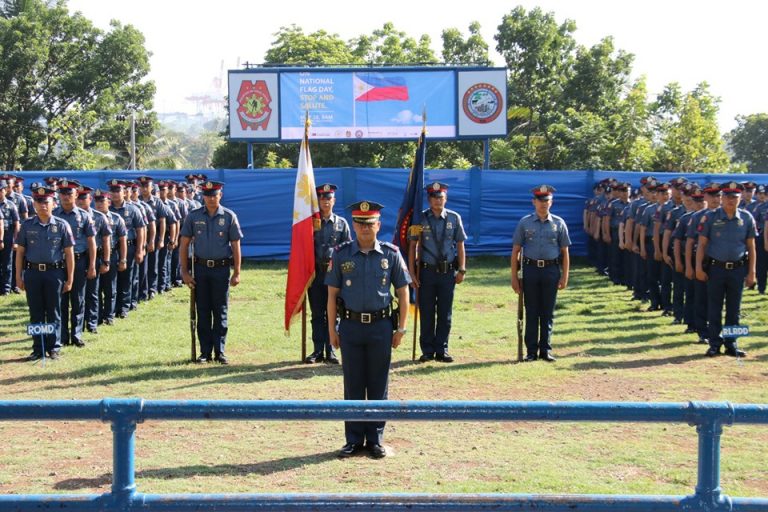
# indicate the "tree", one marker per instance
pixel 749 142
pixel 387 46
pixel 61 82
pixel 293 46
pixel 473 50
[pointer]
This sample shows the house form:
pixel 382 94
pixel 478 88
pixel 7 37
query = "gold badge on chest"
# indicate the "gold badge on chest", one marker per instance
pixel 384 264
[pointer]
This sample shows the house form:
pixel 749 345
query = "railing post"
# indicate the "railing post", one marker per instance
pixel 709 427
pixel 124 414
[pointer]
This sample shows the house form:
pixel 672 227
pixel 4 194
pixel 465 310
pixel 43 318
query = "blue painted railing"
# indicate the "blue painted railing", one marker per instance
pixel 124 414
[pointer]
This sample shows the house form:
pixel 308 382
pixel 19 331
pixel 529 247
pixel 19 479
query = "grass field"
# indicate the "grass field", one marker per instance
pixel 608 349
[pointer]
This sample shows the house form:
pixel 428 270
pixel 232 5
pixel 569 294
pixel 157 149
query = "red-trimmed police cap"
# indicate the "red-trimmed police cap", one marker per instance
pixel 662 187
pixel 326 190
pixel 40 191
pixel 211 188
pixel 749 185
pixel 366 212
pixel 52 180
pixel 83 190
pixel 115 185
pixel 543 192
pixel 162 184
pixel 191 177
pixel 436 189
pixel 68 186
pixel 145 180
pixel 732 188
pixel 100 195
pixel 712 188
pixel 678 182
pixel 202 177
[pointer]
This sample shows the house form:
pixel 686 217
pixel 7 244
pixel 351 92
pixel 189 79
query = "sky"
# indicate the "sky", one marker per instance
pixel 684 41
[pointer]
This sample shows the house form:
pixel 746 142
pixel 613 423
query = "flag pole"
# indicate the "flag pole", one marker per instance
pixel 416 310
pixel 304 304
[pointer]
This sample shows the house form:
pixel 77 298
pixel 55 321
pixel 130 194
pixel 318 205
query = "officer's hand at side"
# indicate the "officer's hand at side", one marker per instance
pixel 235 279
pixel 657 256
pixel 91 273
pixel 104 268
pixel 668 260
pixel 19 282
pixel 334 339
pixel 516 284
pixel 67 286
pixel 701 275
pixel 459 277
pixel 750 280
pixel 150 247
pixel 643 254
pixel 679 268
pixel 414 280
pixel 160 246
pixel 397 338
pixel 188 279
pixel 689 273
pixel 562 283
pixel 122 266
pixel 139 257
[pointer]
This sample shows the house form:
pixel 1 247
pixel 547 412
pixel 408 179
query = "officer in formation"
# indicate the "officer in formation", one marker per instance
pixel 115 258
pixel 540 249
pixel 155 240
pixel 9 216
pixel 215 233
pixel 436 263
pixel 359 279
pixel 759 210
pixel 330 231
pixel 45 263
pixel 678 234
pixel 170 242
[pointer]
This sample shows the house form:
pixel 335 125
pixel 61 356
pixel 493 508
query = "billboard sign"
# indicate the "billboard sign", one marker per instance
pixel 367 104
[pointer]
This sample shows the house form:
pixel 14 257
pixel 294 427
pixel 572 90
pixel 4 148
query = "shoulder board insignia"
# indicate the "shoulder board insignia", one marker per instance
pixel 391 246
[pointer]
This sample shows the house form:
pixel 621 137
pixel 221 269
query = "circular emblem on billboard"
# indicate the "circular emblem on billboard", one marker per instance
pixel 254 105
pixel 482 103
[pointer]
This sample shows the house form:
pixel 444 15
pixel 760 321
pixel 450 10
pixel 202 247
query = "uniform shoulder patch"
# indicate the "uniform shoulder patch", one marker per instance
pixel 391 246
pixel 344 244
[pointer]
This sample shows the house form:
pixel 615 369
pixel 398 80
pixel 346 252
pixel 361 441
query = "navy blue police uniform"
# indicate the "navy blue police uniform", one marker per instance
pixel 363 281
pixel 44 271
pixel 73 301
pixel 542 243
pixel 172 222
pixel 108 281
pixel 9 216
pixel 728 265
pixel 331 231
pixel 159 212
pixel 103 230
pixel 213 256
pixel 438 238
pixel 760 212
pixel 134 222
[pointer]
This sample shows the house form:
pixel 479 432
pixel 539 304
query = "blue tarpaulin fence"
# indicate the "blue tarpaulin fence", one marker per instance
pixel 491 202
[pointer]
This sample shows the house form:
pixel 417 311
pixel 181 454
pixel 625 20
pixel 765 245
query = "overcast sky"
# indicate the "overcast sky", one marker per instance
pixel 685 41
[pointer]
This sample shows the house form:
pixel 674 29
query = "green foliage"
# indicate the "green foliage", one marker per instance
pixel 749 142
pixel 473 50
pixel 61 80
pixel 387 46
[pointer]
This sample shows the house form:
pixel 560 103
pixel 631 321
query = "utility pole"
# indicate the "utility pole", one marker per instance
pixel 133 141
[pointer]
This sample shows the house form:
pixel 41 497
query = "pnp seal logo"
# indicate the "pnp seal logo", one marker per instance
pixel 482 103
pixel 253 102
pixel 40 329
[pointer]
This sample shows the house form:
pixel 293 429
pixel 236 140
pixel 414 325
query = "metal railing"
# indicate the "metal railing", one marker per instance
pixel 124 415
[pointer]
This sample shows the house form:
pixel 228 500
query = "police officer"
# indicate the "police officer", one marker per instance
pixel 173 225
pixel 541 241
pixel 83 231
pixel 46 256
pixel 437 248
pixel 11 221
pixel 332 231
pixel 216 233
pixel 118 261
pixel 136 234
pixel 360 276
pixel 103 231
pixel 157 242
pixel 726 261
pixel 760 212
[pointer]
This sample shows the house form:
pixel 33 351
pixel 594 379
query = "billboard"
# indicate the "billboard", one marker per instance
pixel 367 104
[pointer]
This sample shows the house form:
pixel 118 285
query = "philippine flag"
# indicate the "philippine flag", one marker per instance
pixel 377 87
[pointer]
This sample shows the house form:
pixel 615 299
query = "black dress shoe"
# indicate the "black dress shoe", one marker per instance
pixel 444 358
pixel 677 321
pixel 703 341
pixel 314 357
pixel 377 451
pixel 78 343
pixel 349 450
pixel 529 358
pixel 93 330
pixel 54 355
pixel 122 314
pixel 34 356
pixel 424 358
pixel 221 359
pixel 712 352
pixel 690 330
pixel 653 308
pixel 109 321
pixel 548 357
pixel 203 359
pixel 734 352
pixel 332 359
pixel 666 312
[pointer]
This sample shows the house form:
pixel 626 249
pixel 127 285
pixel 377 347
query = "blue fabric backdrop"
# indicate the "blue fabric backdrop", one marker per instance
pixel 489 201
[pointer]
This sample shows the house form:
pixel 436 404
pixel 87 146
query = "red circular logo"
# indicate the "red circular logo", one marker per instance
pixel 482 103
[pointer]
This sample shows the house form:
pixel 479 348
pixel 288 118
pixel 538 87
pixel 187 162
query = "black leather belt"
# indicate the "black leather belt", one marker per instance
pixel 728 265
pixel 541 263
pixel 79 255
pixel 366 318
pixel 43 267
pixel 440 269
pixel 226 262
pixel 130 242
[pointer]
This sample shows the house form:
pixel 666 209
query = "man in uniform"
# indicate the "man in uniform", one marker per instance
pixel 360 275
pixel 44 254
pixel 83 232
pixel 437 247
pixel 216 234
pixel 760 212
pixel 118 261
pixel 157 242
pixel 11 221
pixel 332 231
pixel 136 233
pixel 541 244
pixel 726 261
pixel 173 225
pixel 103 231
pixel 694 200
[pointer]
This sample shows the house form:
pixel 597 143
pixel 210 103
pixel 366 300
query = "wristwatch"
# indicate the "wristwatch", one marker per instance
pixel 401 330
pixel 123 261
pixel 462 271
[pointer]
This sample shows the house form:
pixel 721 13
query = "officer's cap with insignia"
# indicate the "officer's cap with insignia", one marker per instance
pixel 543 192
pixel 162 184
pixel 181 186
pixel 732 188
pixel 712 188
pixel 211 188
pixel 749 185
pixel 133 184
pixel 366 212
pixel 622 186
pixel 51 180
pixel 145 180
pixel 651 184
pixel 191 177
pixel 83 191
pixel 115 185
pixel 761 189
pixel 100 195
pixel 326 191
pixel 678 182
pixel 40 191
pixel 3 183
pixel 436 189
pixel 68 186
pixel 202 177
pixel 662 187
pixel 696 193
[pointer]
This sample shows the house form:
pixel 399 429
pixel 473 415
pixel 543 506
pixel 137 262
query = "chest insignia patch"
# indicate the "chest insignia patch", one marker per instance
pixel 384 264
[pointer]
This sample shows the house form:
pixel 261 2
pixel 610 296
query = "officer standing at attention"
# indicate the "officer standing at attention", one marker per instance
pixel 83 231
pixel 332 231
pixel 543 239
pixel 360 274
pixel 118 261
pixel 216 234
pixel 726 260
pixel 437 247
pixel 136 234
pixel 44 252
pixel 9 217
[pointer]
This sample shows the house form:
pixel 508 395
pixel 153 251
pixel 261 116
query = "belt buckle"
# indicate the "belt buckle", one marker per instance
pixel 42 267
pixel 210 263
pixel 540 263
pixel 729 265
pixel 365 318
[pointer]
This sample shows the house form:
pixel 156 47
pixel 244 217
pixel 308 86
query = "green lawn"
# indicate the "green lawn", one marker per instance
pixel 608 349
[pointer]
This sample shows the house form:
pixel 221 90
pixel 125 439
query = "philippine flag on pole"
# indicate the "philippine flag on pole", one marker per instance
pixel 377 87
pixel 301 263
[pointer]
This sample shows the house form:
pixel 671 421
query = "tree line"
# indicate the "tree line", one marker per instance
pixel 67 89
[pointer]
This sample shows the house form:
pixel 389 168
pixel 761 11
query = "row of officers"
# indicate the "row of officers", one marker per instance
pixel 684 248
pixel 85 257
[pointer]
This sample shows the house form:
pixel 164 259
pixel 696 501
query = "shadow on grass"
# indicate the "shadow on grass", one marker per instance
pixel 435 367
pixel 635 363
